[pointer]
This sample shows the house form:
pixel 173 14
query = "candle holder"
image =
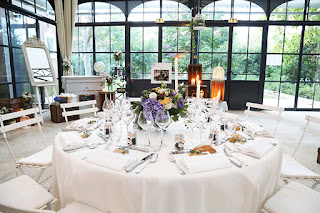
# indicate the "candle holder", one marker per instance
pixel 217 83
pixel 193 71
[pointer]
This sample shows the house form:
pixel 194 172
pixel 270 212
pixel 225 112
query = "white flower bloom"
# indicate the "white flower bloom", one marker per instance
pixel 167 93
pixel 161 91
pixel 169 106
pixel 153 95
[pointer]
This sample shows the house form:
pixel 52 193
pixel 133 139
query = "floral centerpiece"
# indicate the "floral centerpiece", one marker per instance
pixel 27 100
pixel 161 99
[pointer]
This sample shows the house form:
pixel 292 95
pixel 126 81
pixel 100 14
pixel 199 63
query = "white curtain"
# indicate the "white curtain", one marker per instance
pixel 66 15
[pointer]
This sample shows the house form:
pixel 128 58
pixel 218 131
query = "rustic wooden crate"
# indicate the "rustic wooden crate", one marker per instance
pixel 13 103
pixel 56 113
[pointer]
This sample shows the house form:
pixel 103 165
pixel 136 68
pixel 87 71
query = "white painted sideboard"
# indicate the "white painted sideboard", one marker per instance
pixel 77 85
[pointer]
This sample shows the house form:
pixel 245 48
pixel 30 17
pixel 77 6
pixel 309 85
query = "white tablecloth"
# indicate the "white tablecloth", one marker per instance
pixel 160 188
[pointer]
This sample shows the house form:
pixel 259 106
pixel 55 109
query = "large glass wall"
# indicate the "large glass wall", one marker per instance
pixel 280 51
pixel 16 28
pixel 292 66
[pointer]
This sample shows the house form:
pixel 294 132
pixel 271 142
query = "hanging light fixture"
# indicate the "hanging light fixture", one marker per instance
pixel 232 19
pixel 198 20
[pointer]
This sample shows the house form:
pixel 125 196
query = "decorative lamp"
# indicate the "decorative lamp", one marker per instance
pixel 199 22
pixel 159 21
pixel 217 83
pixel 99 67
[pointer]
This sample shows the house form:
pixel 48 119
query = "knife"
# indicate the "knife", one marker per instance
pixel 180 152
pixel 221 142
pixel 134 165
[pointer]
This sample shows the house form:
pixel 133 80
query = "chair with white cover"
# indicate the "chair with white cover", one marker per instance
pixel 92 109
pixel 41 159
pixel 24 195
pixel 293 198
pixel 277 110
pixel 291 169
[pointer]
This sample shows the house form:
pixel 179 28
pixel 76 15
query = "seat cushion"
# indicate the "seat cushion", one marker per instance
pixel 293 169
pixel 41 158
pixel 77 207
pixel 294 198
pixel 23 192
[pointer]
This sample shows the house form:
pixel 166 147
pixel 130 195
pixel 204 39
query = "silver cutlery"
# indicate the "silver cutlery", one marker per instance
pixel 134 147
pixel 179 152
pixel 231 159
pixel 218 143
pixel 134 165
pixel 173 160
pixel 230 151
pixel 153 159
pixel 103 136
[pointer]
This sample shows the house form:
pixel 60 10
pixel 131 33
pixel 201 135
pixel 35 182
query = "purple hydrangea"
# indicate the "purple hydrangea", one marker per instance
pixel 151 105
pixel 180 103
pixel 173 93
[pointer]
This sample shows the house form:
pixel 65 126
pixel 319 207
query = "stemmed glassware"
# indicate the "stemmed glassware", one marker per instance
pixel 190 123
pixel 145 121
pixel 107 106
pixel 162 120
pixel 128 116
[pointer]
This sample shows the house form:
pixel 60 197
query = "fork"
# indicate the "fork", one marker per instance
pixel 229 152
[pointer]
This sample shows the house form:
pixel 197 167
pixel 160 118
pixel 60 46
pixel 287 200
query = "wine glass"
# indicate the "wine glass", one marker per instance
pixel 145 121
pixel 127 116
pixel 163 120
pixel 107 106
pixel 190 123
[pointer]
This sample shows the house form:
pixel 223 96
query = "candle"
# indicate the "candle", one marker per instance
pixel 176 74
pixel 198 88
pixel 193 81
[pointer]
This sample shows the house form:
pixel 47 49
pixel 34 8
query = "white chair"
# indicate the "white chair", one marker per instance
pixel 292 169
pixel 293 198
pixel 66 113
pixel 24 192
pixel 23 195
pixel 276 116
pixel 41 159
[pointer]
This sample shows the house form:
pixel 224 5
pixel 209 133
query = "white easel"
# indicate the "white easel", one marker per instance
pixel 37 88
pixel 39 67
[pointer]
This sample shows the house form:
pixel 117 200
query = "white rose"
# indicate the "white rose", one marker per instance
pixel 153 95
pixel 169 106
pixel 167 93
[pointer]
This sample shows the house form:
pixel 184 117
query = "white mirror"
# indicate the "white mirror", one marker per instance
pixel 38 63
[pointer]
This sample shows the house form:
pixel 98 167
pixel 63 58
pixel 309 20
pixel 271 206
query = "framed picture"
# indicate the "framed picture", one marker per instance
pixel 161 73
pixel 64 99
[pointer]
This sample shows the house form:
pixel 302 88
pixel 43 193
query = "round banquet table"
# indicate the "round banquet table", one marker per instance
pixel 160 188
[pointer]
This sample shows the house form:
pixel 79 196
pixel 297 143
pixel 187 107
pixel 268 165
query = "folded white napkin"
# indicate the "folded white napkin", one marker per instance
pixel 256 129
pixel 110 160
pixel 204 163
pixel 70 139
pixel 255 148
pixel 82 123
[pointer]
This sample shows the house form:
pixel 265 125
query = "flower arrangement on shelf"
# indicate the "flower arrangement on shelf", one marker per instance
pixel 66 66
pixel 5 110
pixel 109 80
pixel 26 100
pixel 161 98
pixel 118 56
